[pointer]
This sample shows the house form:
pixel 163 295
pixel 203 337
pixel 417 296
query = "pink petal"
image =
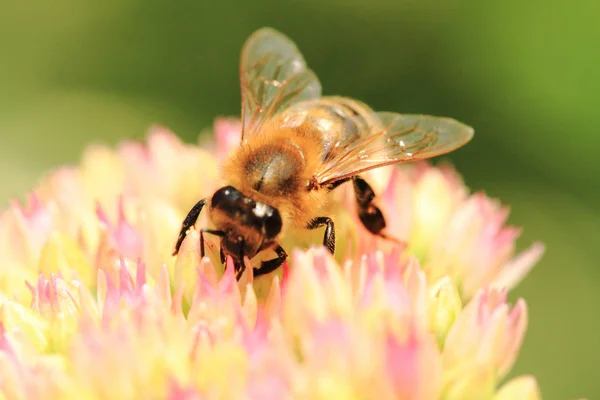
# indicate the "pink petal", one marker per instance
pixel 179 392
pixel 124 237
pixel 228 132
pixel 414 367
pixel 516 269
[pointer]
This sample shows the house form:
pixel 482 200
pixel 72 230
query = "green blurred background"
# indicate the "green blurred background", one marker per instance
pixel 526 75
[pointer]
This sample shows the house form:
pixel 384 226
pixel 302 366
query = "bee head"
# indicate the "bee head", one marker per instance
pixel 244 220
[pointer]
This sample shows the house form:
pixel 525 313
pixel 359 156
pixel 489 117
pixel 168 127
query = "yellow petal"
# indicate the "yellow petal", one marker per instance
pixel 468 381
pixel 250 305
pixel 273 301
pixel 62 254
pixel 434 201
pixel 102 176
pixel 186 264
pixel 159 225
pixel 223 371
pixel 522 388
pixel 329 386
pixel 15 316
pixel 445 307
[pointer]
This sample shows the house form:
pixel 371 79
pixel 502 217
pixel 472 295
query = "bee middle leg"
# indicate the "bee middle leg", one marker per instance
pixel 329 237
pixel 269 266
pixel 368 213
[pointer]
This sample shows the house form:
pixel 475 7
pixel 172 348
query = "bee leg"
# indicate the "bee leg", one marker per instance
pixel 338 183
pixel 329 237
pixel 188 222
pixel 269 266
pixel 369 214
pixel 213 232
pixel 240 266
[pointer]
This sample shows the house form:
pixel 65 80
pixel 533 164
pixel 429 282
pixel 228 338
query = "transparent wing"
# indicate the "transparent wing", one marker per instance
pixel 392 138
pixel 273 76
pixel 338 121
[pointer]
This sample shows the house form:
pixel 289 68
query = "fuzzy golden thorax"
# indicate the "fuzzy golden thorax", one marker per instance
pixel 276 167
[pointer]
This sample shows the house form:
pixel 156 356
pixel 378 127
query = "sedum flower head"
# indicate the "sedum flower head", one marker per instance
pixel 93 305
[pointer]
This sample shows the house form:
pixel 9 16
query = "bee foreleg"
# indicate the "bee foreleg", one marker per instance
pixel 329 237
pixel 269 266
pixel 188 222
pixel 213 232
pixel 239 268
pixel 370 216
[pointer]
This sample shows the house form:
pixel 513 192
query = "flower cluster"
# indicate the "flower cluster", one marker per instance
pixel 94 306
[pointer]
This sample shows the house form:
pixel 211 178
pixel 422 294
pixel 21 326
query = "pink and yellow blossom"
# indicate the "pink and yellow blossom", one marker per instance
pixel 94 306
pixel 452 232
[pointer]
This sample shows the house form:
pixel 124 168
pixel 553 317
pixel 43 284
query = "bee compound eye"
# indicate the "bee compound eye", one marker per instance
pixel 225 194
pixel 272 224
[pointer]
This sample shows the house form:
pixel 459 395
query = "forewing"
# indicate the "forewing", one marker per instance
pixel 392 139
pixel 273 76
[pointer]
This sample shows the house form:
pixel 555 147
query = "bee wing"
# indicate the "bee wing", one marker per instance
pixel 273 76
pixel 392 138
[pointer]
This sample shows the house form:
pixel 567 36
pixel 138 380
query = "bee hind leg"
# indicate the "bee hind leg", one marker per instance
pixel 369 214
pixel 188 222
pixel 329 237
pixel 269 266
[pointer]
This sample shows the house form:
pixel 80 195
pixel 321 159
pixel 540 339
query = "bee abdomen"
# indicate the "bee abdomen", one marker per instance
pixel 341 121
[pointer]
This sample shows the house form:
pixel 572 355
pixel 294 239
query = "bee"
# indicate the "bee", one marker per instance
pixel 298 146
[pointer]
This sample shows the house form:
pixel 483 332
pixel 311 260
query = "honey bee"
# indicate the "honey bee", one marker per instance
pixel 296 147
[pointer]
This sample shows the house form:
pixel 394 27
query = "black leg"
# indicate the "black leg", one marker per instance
pixel 368 213
pixel 222 255
pixel 188 222
pixel 269 266
pixel 338 183
pixel 240 266
pixel 329 237
pixel 370 216
pixel 212 232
